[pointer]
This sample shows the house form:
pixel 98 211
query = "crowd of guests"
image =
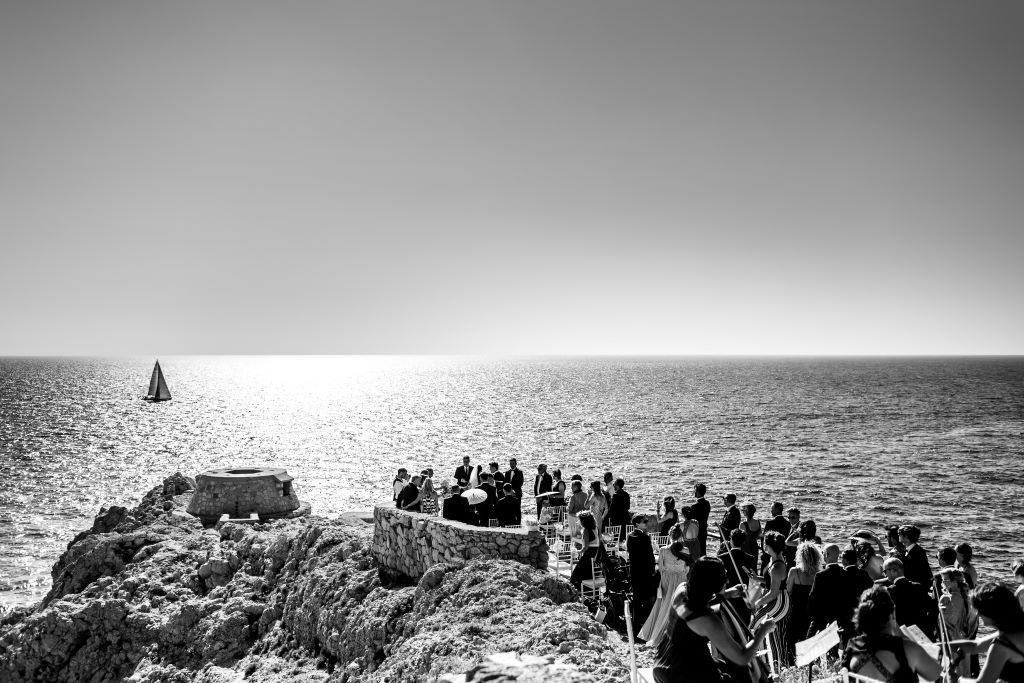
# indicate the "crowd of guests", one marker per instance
pixel 777 581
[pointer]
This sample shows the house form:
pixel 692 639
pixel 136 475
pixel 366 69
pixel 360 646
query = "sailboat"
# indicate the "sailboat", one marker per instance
pixel 158 390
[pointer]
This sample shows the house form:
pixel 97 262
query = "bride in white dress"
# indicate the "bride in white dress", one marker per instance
pixel 674 563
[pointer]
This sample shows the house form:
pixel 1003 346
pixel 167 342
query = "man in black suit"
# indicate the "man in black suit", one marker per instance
pixel 778 523
pixel 498 479
pixel 541 484
pixel 858 578
pixel 832 598
pixel 642 568
pixel 463 473
pixel 701 511
pixel 507 510
pixel 913 604
pixel 456 508
pixel 409 498
pixel 618 509
pixel 731 518
pixel 514 476
pixel 915 564
pixel 738 568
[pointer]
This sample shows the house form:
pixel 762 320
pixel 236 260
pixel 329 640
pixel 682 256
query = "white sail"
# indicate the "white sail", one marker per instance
pixel 158 390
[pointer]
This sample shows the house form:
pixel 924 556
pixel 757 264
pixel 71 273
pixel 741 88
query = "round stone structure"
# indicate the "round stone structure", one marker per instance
pixel 238 492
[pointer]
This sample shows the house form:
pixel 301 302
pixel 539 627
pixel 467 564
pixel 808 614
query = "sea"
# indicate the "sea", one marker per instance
pixel 852 442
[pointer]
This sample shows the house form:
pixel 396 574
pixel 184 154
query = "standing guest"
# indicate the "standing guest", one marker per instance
pixel 793 540
pixel 668 519
pixel 876 653
pixel 731 518
pixel 691 533
pixel 773 605
pixel 1018 574
pixel 913 604
pixel 557 498
pixel 832 597
pixel 541 485
pixel 896 549
pixel 618 509
pixel 779 524
pixel 798 585
pixel 642 566
pixel 597 503
pixel 738 568
pixel 576 504
pixel 958 614
pixel 428 496
pixel 701 511
pixel 865 536
pixel 859 579
pixel 507 510
pixel 514 476
pixel 683 655
pixel 868 560
pixel 409 498
pixel 752 530
pixel 498 478
pixel 593 549
pixel 456 508
pixel 998 610
pixel 946 558
pixel 609 481
pixel 399 483
pixel 916 565
pixel 964 555
pixel 463 472
pixel 673 565
pixel 486 508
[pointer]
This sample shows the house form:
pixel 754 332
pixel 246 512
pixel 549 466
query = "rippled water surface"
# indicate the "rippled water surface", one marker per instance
pixel 852 442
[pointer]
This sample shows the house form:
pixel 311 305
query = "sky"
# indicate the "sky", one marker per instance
pixel 535 177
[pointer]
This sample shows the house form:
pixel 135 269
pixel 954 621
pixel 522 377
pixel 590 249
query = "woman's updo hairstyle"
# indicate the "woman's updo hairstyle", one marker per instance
pixel 775 541
pixel 707 577
pixel 687 512
pixel 808 530
pixel 997 602
pixel 874 611
pixel 586 520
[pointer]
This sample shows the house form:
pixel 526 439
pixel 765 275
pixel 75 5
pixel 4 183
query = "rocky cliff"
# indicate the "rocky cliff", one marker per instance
pixel 149 595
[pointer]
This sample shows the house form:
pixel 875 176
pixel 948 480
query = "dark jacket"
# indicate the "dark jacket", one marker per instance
pixel 541 484
pixel 746 563
pixel 462 473
pixel 456 508
pixel 859 582
pixel 913 605
pixel 780 524
pixel 701 511
pixel 642 564
pixel 515 477
pixel 499 483
pixel 486 508
pixel 618 509
pixel 916 567
pixel 508 511
pixel 730 521
pixel 833 597
pixel 409 494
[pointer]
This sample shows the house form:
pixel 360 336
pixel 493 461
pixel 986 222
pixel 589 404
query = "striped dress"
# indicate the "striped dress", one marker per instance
pixel 777 609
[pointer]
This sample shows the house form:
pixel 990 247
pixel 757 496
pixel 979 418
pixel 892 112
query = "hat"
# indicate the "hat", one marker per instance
pixel 863 536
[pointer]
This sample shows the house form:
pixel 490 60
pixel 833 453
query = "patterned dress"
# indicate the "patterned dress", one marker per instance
pixel 777 609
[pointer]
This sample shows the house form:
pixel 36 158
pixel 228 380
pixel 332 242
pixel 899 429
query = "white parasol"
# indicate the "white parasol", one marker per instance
pixel 475 496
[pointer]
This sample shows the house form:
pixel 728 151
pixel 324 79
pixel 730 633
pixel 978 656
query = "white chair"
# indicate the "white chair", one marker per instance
pixel 492 523
pixel 662 541
pixel 593 587
pixel 629 529
pixel 611 539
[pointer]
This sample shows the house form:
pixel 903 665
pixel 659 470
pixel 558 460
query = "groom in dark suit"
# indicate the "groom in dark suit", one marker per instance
pixel 514 476
pixel 541 484
pixel 463 473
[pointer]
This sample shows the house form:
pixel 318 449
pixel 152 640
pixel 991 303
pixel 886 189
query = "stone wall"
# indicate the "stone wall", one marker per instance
pixel 410 542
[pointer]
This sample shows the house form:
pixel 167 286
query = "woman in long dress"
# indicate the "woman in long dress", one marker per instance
pixel 798 585
pixel 959 616
pixel 691 532
pixel 428 495
pixel 674 564
pixel 597 503
pixel 774 604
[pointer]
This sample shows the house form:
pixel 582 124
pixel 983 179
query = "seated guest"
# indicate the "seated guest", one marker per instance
pixel 409 498
pixel 456 508
pixel 508 510
pixel 683 655
pixel 998 610
pixel 878 654
pixel 593 549
pixel 964 555
pixel 832 597
pixel 913 604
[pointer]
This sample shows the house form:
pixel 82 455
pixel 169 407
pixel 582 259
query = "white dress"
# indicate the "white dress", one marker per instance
pixel 673 573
